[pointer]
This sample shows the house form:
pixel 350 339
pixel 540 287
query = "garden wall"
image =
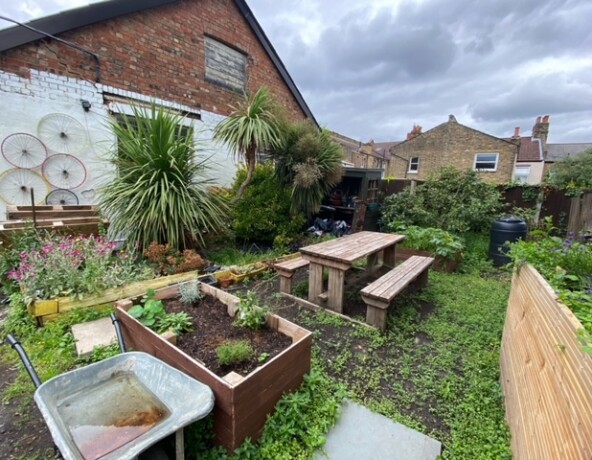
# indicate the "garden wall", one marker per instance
pixel 546 377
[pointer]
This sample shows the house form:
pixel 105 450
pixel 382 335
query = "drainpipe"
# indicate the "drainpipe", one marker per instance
pixel 65 42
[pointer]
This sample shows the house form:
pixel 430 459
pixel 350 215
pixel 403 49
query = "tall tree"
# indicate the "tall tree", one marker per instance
pixel 251 127
pixel 573 173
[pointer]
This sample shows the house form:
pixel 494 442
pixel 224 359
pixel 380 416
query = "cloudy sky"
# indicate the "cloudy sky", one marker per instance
pixel 370 69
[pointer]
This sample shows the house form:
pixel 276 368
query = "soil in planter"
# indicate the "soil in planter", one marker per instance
pixel 212 327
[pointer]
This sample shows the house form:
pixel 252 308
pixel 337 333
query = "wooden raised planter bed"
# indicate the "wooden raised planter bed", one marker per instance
pixel 440 263
pixel 242 403
pixel 546 376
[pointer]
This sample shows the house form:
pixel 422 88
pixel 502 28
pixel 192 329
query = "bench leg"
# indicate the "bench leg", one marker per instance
pixel 315 282
pixel 286 283
pixel 376 312
pixel 422 280
pixel 372 264
pixel 388 258
pixel 335 290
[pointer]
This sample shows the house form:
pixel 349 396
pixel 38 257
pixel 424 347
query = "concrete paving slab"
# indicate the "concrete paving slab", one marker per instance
pixel 361 434
pixel 97 333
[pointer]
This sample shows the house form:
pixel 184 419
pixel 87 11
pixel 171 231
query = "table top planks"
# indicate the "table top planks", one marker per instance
pixel 352 247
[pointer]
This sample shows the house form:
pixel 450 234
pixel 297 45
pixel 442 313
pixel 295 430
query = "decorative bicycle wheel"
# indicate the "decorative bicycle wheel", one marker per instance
pixel 61 196
pixel 16 185
pixel 64 171
pixel 23 150
pixel 62 133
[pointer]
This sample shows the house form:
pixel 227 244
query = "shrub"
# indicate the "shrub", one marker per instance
pixel 170 261
pixel 452 200
pixel 263 213
pixel 22 241
pixel 234 352
pixel 151 313
pixel 435 240
pixel 190 292
pixel 159 192
pixel 68 266
pixel 574 174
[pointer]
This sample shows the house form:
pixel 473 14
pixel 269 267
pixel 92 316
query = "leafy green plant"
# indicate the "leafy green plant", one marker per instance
pixel 68 266
pixel 190 292
pixel 251 127
pixel 573 173
pixel 308 162
pixel 159 192
pixel 233 352
pixel 435 240
pixel 263 357
pixel 452 200
pixel 263 213
pixel 249 313
pixel 25 240
pixel 151 313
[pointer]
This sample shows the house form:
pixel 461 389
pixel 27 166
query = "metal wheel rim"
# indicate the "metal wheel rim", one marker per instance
pixel 16 185
pixel 61 197
pixel 23 150
pixel 64 171
pixel 62 133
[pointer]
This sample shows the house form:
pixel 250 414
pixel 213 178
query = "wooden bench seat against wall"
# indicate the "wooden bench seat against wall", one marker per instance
pixel 379 294
pixel 286 270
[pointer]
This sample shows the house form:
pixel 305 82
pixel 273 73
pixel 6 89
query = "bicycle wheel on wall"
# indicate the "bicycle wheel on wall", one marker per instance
pixel 64 171
pixel 61 197
pixel 16 185
pixel 23 150
pixel 62 133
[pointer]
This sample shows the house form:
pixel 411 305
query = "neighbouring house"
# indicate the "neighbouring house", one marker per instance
pixel 63 76
pixel 367 155
pixel 558 152
pixel 452 143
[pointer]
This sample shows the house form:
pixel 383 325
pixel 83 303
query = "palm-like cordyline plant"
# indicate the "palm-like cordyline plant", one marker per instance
pixel 252 126
pixel 159 192
pixel 309 162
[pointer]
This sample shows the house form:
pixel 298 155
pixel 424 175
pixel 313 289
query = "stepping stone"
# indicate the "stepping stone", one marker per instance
pixel 97 333
pixel 361 434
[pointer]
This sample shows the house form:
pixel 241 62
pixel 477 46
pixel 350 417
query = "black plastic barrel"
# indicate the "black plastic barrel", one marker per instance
pixel 507 229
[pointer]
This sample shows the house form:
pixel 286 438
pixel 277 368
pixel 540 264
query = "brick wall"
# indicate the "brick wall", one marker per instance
pixel 159 53
pixel 452 144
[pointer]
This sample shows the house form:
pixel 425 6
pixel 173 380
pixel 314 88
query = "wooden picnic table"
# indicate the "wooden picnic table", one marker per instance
pixel 339 255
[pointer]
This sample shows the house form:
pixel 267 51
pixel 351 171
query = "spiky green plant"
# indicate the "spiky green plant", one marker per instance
pixel 159 191
pixel 251 127
pixel 309 162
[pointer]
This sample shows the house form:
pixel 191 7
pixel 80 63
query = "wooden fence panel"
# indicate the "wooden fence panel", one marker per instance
pixel 546 377
pixel 580 215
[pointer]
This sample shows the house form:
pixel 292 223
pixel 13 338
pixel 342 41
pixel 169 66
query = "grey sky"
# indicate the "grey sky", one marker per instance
pixel 370 69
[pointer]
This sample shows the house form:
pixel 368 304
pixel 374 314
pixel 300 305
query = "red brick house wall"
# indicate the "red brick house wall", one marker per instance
pixel 160 53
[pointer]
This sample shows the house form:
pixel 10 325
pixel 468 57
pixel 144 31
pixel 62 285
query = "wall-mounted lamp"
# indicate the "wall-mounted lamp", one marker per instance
pixel 85 105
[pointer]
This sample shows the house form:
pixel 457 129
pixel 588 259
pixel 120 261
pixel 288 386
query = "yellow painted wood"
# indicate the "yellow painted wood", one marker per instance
pixel 43 307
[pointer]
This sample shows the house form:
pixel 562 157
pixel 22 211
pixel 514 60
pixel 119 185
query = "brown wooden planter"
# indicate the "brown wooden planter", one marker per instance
pixel 242 403
pixel 440 264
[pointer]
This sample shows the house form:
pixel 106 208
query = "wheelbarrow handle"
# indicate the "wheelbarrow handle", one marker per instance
pixel 115 321
pixel 16 345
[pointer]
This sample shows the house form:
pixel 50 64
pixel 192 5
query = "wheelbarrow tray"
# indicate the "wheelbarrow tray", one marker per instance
pixel 119 407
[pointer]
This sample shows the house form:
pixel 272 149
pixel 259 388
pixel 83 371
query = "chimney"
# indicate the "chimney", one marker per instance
pixel 416 131
pixel 540 130
pixel 451 119
pixel 516 137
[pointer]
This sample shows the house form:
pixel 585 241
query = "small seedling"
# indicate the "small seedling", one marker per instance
pixel 249 313
pixel 263 357
pixel 234 352
pixel 150 311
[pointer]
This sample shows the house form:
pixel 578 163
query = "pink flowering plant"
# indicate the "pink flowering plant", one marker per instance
pixel 75 266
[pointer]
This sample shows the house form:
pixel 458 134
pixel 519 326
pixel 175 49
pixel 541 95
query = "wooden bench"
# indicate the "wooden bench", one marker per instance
pixel 286 270
pixel 381 292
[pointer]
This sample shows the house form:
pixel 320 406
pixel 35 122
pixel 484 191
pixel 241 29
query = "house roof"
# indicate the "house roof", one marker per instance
pixel 93 13
pixel 556 152
pixel 346 142
pixel 530 149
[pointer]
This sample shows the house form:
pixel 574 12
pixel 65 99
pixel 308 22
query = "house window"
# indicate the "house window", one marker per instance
pixel 486 161
pixel 414 165
pixel 521 174
pixel 225 66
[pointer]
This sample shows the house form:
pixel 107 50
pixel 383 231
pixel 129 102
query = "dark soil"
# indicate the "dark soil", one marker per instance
pixel 213 327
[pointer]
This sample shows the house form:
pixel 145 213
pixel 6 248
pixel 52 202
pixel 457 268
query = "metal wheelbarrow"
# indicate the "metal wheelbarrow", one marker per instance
pixel 119 407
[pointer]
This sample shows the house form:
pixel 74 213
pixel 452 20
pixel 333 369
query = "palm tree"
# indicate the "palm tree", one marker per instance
pixel 252 126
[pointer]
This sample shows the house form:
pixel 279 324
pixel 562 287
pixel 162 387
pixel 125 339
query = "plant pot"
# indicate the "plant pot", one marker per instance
pixel 242 403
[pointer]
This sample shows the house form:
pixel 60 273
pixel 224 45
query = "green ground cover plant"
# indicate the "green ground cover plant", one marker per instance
pixel 232 352
pixel 151 313
pixel 435 240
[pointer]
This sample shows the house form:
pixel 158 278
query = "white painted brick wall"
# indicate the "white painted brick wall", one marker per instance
pixel 25 102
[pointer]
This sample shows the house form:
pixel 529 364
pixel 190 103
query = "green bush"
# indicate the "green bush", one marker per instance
pixel 452 200
pixel 435 240
pixel 263 213
pixel 22 241
pixel 249 313
pixel 234 352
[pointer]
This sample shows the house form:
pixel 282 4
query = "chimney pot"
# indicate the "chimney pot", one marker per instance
pixel 517 131
pixel 451 118
pixel 546 119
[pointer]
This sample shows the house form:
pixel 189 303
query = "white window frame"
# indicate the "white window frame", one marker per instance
pixel 522 178
pixel 411 164
pixel 486 161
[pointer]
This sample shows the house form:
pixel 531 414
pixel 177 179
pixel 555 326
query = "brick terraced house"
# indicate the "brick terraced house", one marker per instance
pixel 63 76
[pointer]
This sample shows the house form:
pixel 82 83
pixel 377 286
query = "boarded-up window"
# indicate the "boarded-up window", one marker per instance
pixel 225 66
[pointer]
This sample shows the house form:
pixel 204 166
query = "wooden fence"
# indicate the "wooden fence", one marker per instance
pixel 546 377
pixel 580 214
